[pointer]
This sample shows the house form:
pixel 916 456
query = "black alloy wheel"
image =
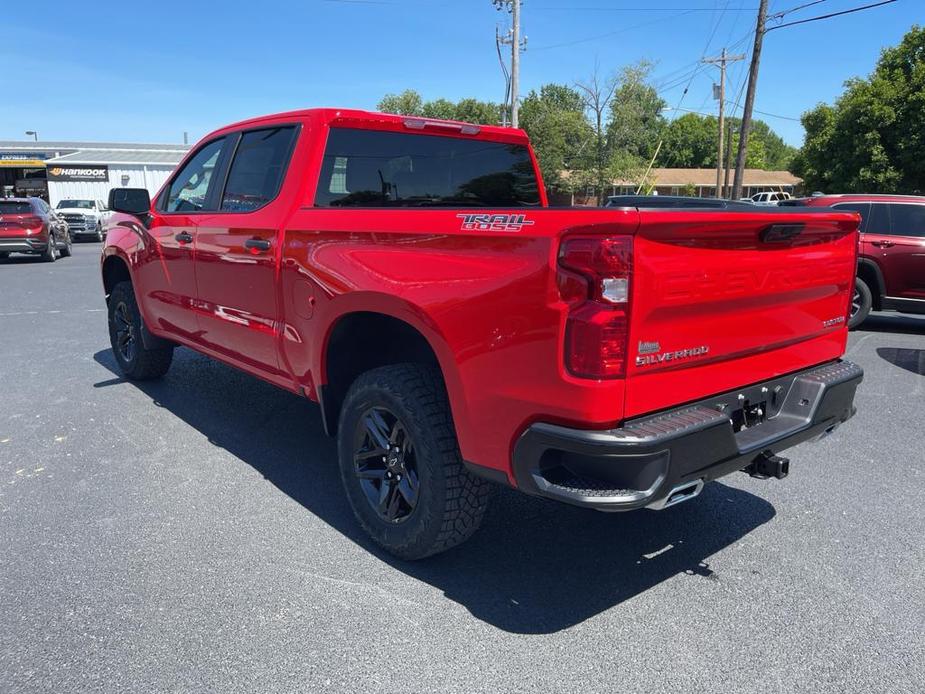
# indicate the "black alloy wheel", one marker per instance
pixel 126 341
pixel 384 463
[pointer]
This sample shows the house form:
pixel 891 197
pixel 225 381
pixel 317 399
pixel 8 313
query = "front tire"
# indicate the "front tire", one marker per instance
pixel 861 303
pixel 68 243
pixel 401 466
pixel 99 232
pixel 137 362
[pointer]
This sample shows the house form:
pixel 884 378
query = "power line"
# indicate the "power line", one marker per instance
pixel 637 9
pixel 830 15
pixel 611 33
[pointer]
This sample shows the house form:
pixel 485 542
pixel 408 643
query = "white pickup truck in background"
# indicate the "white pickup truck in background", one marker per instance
pixel 768 198
pixel 84 217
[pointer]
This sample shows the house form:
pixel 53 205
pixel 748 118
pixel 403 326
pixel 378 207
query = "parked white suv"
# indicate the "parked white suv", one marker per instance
pixel 84 217
pixel 768 198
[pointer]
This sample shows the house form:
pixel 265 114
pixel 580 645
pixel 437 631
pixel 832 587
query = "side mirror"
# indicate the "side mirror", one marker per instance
pixel 134 201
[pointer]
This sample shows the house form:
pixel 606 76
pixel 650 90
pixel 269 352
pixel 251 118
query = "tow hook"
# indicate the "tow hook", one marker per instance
pixel 769 465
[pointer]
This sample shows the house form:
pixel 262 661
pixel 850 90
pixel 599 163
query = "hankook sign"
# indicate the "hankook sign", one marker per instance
pixel 78 173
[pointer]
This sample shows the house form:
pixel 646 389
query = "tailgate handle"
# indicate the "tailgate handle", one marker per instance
pixel 778 233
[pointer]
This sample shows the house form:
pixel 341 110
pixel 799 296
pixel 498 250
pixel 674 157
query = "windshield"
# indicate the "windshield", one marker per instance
pixel 81 204
pixel 369 168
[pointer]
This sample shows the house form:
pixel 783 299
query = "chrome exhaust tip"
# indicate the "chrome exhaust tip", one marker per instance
pixel 678 494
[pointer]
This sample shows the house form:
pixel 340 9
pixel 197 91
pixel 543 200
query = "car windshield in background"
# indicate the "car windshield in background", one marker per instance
pixel 15 207
pixel 80 204
pixel 369 168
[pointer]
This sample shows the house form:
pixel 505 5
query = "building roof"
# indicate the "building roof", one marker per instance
pixel 42 145
pixel 707 177
pixel 120 156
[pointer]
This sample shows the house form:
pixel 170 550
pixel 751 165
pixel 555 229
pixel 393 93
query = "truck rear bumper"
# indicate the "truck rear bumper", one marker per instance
pixel 657 460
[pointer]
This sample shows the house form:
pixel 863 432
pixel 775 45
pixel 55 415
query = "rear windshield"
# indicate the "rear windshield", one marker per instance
pixel 368 168
pixel 15 207
pixel 80 204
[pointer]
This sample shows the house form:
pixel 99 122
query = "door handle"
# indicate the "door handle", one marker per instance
pixel 257 244
pixel 184 237
pixel 882 244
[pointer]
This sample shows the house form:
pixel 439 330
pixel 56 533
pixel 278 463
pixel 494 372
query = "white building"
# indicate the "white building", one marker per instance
pixel 58 170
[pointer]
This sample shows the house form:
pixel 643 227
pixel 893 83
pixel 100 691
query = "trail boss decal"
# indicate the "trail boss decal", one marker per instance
pixel 651 358
pixel 494 222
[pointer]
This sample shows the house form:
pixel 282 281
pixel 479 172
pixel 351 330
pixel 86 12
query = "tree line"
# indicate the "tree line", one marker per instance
pixel 872 139
pixel 605 127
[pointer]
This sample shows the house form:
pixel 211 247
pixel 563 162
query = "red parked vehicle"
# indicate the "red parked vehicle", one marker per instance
pixel 408 275
pixel 891 263
pixel 29 225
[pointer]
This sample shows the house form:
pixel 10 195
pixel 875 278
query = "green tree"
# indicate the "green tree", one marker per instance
pixel 873 138
pixel 690 142
pixel 408 103
pixel 636 121
pixel 475 111
pixel 439 108
pixel 561 135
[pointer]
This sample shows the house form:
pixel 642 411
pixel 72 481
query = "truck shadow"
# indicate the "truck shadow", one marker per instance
pixel 912 360
pixel 535 567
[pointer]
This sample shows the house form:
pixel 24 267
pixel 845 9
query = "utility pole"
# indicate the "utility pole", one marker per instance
pixel 517 45
pixel 749 100
pixel 728 160
pixel 515 61
pixel 722 61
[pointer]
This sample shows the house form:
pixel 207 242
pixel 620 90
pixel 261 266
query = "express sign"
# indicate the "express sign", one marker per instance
pixel 78 173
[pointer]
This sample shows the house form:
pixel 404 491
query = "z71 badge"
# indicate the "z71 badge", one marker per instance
pixel 494 222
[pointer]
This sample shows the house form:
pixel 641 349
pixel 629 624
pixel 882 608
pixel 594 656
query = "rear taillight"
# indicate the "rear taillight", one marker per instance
pixel 594 279
pixel 31 222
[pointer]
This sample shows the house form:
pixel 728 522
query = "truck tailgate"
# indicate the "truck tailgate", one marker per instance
pixel 725 299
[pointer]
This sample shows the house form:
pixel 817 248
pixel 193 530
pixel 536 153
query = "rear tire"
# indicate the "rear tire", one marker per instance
pixel 861 303
pixel 136 362
pixel 401 466
pixel 4 255
pixel 51 249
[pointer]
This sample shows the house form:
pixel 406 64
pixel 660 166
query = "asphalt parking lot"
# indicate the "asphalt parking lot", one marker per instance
pixel 191 535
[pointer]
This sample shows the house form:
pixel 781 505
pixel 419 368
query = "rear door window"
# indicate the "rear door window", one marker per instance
pixel 907 219
pixel 257 170
pixel 879 221
pixel 861 207
pixel 369 168
pixel 189 190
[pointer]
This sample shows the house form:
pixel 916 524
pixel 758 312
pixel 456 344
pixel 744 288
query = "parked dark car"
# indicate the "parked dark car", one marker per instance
pixel 891 258
pixel 663 201
pixel 29 225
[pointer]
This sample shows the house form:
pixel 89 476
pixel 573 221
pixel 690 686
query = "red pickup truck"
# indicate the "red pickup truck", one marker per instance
pixel 408 275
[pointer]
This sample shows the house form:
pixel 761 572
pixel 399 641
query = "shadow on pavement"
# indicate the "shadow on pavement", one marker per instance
pixel 894 323
pixel 909 359
pixel 534 567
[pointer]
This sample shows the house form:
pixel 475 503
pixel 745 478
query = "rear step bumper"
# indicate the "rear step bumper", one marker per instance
pixel 660 460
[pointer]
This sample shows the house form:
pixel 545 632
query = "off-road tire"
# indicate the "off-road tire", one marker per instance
pixel 864 300
pixel 451 502
pixel 141 364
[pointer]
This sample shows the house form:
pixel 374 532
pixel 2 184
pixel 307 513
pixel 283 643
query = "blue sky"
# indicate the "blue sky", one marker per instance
pixel 129 71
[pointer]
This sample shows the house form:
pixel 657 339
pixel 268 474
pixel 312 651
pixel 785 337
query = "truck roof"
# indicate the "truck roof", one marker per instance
pixel 375 120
